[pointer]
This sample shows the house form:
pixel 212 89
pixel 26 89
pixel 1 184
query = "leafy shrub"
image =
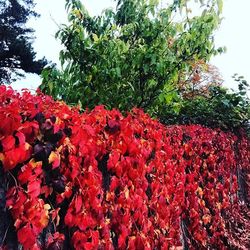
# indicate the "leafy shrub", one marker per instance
pixel 100 180
pixel 229 111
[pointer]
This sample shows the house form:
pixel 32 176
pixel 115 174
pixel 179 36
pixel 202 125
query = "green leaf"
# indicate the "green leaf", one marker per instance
pixel 220 5
pixel 95 37
pixel 50 85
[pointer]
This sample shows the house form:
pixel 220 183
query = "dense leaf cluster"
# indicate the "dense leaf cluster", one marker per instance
pixel 101 180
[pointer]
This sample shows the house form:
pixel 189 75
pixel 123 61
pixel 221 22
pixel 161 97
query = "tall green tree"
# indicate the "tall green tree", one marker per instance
pixel 136 55
pixel 16 51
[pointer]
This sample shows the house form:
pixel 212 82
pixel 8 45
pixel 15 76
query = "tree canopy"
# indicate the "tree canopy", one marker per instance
pixel 16 51
pixel 134 56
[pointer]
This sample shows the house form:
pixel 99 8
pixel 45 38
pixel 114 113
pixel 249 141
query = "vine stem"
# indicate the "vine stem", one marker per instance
pixel 13 178
pixel 5 235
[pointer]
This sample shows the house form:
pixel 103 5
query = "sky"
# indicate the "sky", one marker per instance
pixel 234 33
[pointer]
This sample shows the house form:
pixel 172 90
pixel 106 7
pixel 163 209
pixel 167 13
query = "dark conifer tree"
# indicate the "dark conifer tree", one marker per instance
pixel 16 51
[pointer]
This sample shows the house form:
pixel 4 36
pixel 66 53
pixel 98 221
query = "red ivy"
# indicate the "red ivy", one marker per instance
pixel 100 180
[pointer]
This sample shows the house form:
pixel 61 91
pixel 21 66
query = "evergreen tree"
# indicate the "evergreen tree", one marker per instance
pixel 16 51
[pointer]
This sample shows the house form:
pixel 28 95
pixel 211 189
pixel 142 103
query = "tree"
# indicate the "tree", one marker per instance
pixel 137 55
pixel 217 107
pixel 16 52
pixel 198 82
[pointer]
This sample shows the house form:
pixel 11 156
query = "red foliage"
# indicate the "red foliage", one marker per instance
pixel 99 180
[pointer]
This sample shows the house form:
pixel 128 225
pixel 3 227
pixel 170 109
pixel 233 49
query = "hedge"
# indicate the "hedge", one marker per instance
pixel 101 180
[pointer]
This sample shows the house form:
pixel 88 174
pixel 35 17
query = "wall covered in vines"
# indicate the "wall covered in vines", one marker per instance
pixel 101 180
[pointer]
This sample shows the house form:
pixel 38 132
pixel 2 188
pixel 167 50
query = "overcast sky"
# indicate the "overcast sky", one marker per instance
pixel 234 33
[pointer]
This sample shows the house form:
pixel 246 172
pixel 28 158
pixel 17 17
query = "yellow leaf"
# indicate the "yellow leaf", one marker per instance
pixel 35 164
pixel 126 193
pixel 2 157
pixel 46 206
pixel 54 158
pixel 200 191
pixel 206 219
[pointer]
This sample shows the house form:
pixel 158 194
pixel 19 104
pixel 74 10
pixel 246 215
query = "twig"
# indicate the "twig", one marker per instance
pixel 13 178
pixel 5 234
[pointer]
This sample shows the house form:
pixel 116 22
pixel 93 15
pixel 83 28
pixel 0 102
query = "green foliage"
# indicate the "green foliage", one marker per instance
pixel 134 56
pixel 224 109
pixel 16 50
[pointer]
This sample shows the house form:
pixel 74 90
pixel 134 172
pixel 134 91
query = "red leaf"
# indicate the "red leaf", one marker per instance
pixel 25 174
pixel 20 138
pixel 34 188
pixel 55 241
pixel 8 143
pixel 78 203
pixel 16 156
pixel 79 239
pixel 69 218
pixel 15 198
pixel 113 159
pixel 9 123
pixel 30 130
pixel 113 126
pixel 26 236
pixel 122 238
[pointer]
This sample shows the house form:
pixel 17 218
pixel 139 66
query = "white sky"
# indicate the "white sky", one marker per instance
pixel 234 33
